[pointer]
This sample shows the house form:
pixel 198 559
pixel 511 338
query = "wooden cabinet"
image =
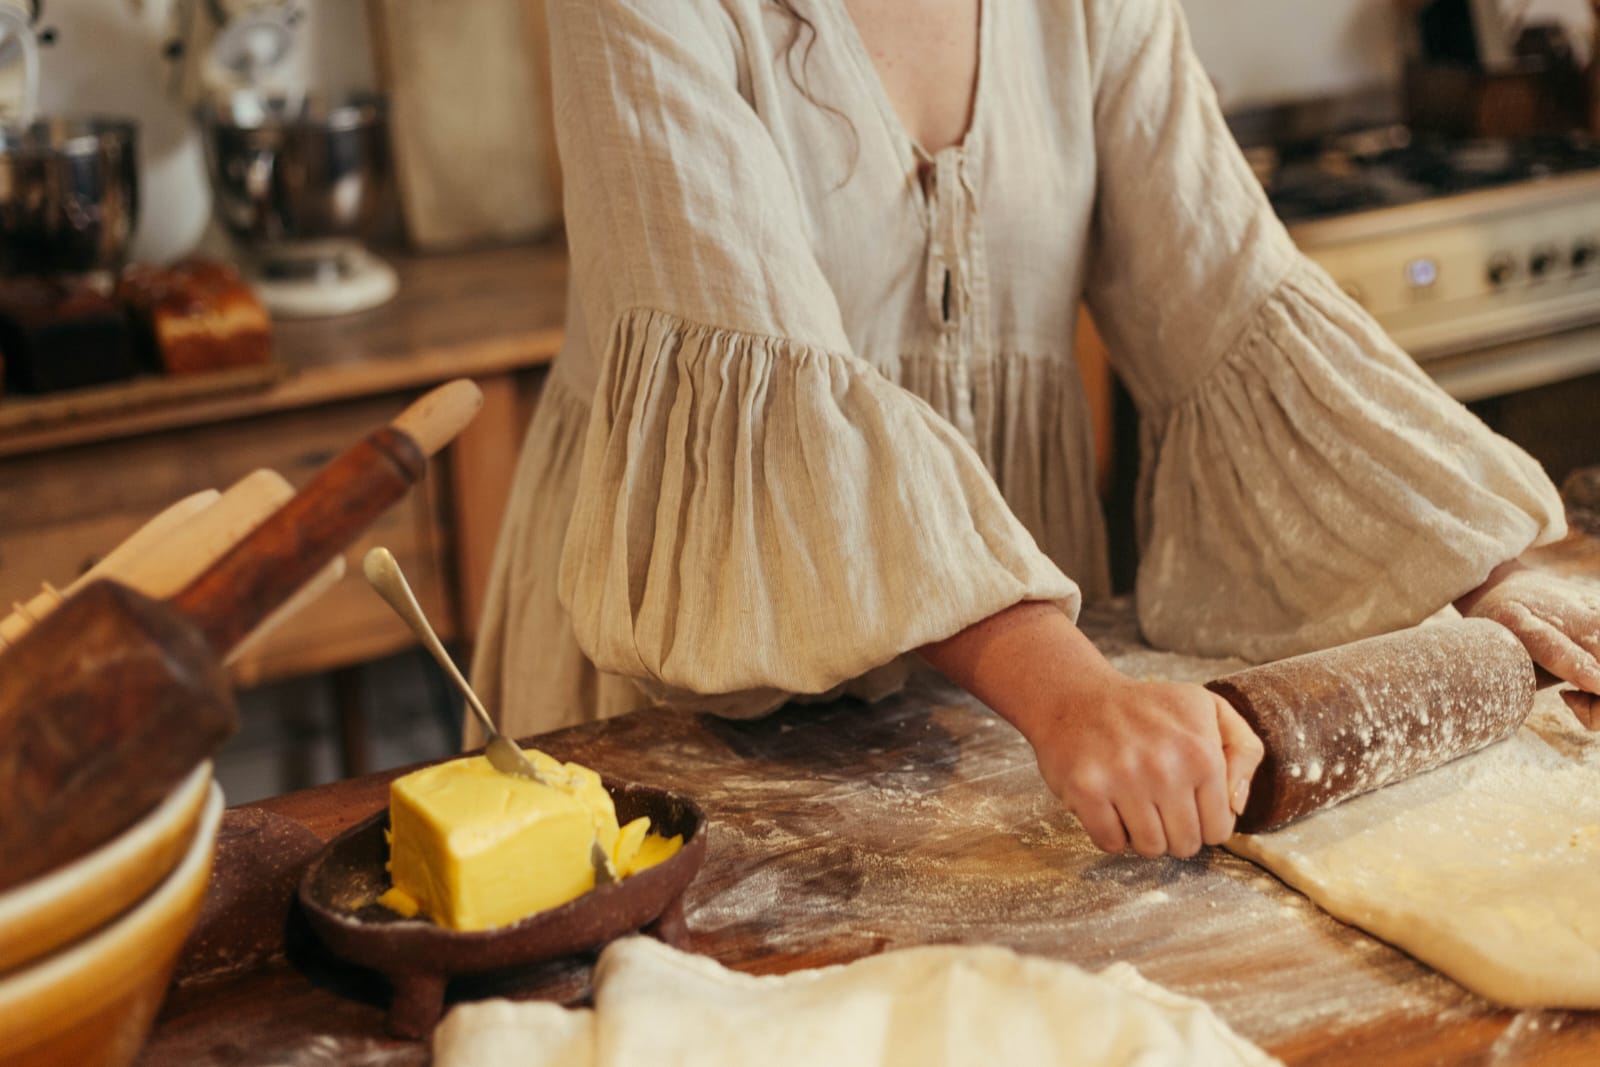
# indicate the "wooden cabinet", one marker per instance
pixel 67 507
pixel 76 483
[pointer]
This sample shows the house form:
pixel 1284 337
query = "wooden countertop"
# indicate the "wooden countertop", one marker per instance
pixel 843 830
pixel 458 315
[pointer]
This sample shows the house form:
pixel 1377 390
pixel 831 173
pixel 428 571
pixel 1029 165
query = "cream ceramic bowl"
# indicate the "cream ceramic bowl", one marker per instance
pixel 91 1004
pixel 55 909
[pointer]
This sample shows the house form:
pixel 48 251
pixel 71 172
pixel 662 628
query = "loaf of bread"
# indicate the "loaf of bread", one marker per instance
pixel 195 316
pixel 61 333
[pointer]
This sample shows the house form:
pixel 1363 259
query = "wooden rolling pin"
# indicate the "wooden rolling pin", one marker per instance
pixel 1352 719
pixel 114 696
pixel 174 547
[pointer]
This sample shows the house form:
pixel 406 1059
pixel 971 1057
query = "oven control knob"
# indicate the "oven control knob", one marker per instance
pixel 1585 254
pixel 1501 268
pixel 1541 261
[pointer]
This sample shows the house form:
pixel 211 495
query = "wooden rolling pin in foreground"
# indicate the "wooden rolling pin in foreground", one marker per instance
pixel 1355 718
pixel 175 546
pixel 114 696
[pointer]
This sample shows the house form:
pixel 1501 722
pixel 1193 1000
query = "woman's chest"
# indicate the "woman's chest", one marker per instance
pixel 925 54
pixel 979 244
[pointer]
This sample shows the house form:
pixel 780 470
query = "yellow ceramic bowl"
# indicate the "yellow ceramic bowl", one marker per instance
pixel 91 1004
pixel 57 908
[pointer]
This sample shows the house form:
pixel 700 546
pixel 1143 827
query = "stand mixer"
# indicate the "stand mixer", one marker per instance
pixel 19 64
pixel 68 183
pixel 299 179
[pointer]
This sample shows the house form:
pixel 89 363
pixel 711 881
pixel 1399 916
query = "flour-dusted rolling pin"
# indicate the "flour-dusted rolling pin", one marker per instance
pixel 1355 718
pixel 115 695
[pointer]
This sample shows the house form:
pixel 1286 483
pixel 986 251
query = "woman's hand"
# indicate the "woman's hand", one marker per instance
pixel 1556 619
pixel 1161 766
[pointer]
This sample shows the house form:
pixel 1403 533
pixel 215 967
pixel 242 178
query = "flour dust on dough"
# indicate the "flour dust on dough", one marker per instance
pixel 1485 869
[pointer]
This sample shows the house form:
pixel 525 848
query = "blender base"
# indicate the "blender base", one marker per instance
pixel 302 287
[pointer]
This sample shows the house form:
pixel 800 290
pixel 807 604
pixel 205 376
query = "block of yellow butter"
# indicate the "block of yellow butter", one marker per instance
pixel 473 848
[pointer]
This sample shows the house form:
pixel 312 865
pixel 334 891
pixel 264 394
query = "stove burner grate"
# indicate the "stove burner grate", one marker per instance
pixel 1358 172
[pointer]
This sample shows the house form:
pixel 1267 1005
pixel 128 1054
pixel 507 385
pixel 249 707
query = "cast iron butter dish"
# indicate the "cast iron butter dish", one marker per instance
pixel 339 892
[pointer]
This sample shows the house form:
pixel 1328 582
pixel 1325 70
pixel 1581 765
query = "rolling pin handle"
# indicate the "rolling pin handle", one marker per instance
pixel 336 506
pixel 435 419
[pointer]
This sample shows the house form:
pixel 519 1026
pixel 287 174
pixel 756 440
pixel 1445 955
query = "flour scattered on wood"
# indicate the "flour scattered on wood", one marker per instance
pixel 975 850
pixel 934 826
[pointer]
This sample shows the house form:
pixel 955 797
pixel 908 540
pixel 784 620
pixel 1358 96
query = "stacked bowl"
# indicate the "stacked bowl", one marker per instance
pixel 87 949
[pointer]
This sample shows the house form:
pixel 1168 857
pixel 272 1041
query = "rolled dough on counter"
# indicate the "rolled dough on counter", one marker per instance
pixel 1486 869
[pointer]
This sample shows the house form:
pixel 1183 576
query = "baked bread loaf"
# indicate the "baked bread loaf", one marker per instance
pixel 195 316
pixel 61 333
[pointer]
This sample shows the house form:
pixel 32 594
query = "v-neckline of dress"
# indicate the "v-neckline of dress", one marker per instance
pixel 916 155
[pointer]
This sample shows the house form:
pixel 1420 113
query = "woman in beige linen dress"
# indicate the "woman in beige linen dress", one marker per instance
pixel 817 413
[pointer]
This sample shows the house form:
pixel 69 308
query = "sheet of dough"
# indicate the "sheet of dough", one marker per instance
pixel 918 1007
pixel 1486 869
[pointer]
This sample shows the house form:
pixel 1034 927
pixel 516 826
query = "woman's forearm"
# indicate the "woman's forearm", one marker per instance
pixel 1022 662
pixel 1162 766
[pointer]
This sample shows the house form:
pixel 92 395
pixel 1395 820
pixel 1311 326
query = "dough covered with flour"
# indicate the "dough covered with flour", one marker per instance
pixel 1485 869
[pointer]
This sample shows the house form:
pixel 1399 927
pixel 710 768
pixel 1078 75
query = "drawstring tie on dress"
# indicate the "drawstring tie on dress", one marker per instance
pixel 949 216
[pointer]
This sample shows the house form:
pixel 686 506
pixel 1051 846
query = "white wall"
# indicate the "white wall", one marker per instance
pixel 1268 51
pixel 107 59
pixel 1271 51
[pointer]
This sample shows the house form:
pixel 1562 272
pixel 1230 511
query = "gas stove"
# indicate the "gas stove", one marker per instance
pixel 1389 166
pixel 1481 258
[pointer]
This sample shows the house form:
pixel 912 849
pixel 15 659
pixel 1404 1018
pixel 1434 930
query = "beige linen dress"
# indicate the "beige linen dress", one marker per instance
pixel 814 411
